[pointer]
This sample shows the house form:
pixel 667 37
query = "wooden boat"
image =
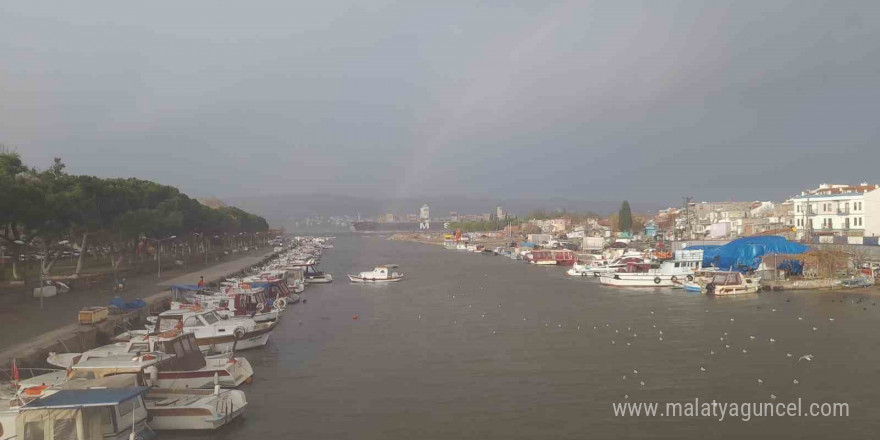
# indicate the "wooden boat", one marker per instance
pixel 730 283
pixel 381 274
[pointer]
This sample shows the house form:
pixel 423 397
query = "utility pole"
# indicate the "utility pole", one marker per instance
pixel 687 213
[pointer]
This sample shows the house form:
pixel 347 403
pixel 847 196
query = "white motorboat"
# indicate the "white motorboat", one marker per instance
pixel 213 334
pixel 666 274
pixel 194 409
pixel 603 267
pixel 179 362
pixel 381 274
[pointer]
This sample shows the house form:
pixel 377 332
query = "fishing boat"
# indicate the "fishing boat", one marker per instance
pixel 179 362
pixel 552 257
pixel 381 274
pixel 665 274
pixel 728 283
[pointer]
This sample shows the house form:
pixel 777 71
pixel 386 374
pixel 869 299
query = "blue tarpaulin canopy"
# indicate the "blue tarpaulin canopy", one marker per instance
pixel 744 254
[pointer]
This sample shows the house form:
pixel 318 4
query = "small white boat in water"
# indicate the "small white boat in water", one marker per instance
pixel 725 283
pixel 381 274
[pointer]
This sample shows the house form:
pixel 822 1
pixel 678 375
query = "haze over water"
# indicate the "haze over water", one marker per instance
pixel 505 358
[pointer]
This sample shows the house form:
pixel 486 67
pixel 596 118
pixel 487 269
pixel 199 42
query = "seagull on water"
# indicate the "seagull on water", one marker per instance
pixel 808 357
pixel 787 354
pixel 624 377
pixel 726 346
pixel 800 318
pixel 831 319
pixel 773 396
pixel 635 371
pixel 773 310
pixel 661 339
pixel 814 329
pixel 711 351
pixel 642 383
pixel 772 340
pixel 702 368
pixel 751 337
pixel 628 344
pixel 795 382
pixel 744 350
pixel 760 381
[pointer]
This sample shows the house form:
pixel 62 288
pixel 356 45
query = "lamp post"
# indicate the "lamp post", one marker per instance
pixel 159 251
pixel 204 245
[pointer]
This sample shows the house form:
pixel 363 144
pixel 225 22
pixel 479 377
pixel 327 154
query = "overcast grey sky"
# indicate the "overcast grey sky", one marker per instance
pixel 600 100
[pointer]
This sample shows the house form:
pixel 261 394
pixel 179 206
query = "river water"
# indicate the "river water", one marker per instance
pixel 477 347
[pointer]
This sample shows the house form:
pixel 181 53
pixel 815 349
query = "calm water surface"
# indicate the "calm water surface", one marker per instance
pixel 484 347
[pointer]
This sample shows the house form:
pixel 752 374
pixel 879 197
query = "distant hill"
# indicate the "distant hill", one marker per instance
pixel 284 210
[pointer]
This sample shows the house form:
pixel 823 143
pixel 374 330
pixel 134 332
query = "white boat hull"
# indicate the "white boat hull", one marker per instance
pixel 619 280
pixel 359 279
pixel 192 410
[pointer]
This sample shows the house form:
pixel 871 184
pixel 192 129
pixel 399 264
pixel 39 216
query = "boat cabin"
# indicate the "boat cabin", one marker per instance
pixel 86 414
pixel 273 289
pixel 182 319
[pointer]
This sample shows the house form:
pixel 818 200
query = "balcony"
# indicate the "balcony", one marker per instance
pixel 842 211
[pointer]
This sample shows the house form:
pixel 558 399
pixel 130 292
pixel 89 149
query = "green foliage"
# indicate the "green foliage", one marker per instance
pixel 51 205
pixel 625 220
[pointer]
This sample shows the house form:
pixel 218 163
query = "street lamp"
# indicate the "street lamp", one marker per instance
pixel 159 251
pixel 204 245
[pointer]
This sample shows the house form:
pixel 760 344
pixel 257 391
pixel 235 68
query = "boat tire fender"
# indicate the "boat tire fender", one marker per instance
pixel 657 280
pixel 616 277
pixel 239 332
pixel 281 303
pixel 674 279
pixel 690 277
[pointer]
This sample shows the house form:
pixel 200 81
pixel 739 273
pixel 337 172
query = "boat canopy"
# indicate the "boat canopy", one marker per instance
pixel 389 266
pixel 745 254
pixel 86 398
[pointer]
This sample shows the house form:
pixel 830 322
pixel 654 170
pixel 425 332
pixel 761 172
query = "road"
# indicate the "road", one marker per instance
pixel 23 321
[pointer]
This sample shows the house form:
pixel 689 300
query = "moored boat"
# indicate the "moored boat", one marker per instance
pixel 381 274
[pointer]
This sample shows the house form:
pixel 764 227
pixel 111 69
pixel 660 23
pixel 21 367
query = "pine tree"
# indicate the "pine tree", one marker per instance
pixel 625 220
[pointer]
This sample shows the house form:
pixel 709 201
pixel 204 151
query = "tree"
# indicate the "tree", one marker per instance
pixel 625 221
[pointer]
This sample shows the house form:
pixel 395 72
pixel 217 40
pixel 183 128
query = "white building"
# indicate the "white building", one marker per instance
pixel 837 214
pixel 425 213
pixel 499 213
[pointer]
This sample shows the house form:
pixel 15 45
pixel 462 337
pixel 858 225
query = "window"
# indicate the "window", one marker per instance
pixel 33 430
pixel 210 318
pixel 178 349
pixel 168 323
pixel 192 321
pixel 64 429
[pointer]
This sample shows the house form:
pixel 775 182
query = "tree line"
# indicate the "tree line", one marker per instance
pixel 49 210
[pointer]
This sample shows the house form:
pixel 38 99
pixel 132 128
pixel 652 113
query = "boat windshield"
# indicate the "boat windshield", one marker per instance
pixel 167 323
pixel 210 318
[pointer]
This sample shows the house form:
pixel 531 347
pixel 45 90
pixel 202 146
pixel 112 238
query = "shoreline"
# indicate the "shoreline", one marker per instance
pixel 75 336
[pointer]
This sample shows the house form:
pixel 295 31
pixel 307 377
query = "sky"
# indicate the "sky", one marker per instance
pixel 592 100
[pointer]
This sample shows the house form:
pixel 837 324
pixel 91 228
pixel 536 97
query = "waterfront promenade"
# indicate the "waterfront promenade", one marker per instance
pixel 24 323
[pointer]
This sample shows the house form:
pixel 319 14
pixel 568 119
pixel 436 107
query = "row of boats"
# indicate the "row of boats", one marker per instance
pixel 681 269
pixel 181 372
